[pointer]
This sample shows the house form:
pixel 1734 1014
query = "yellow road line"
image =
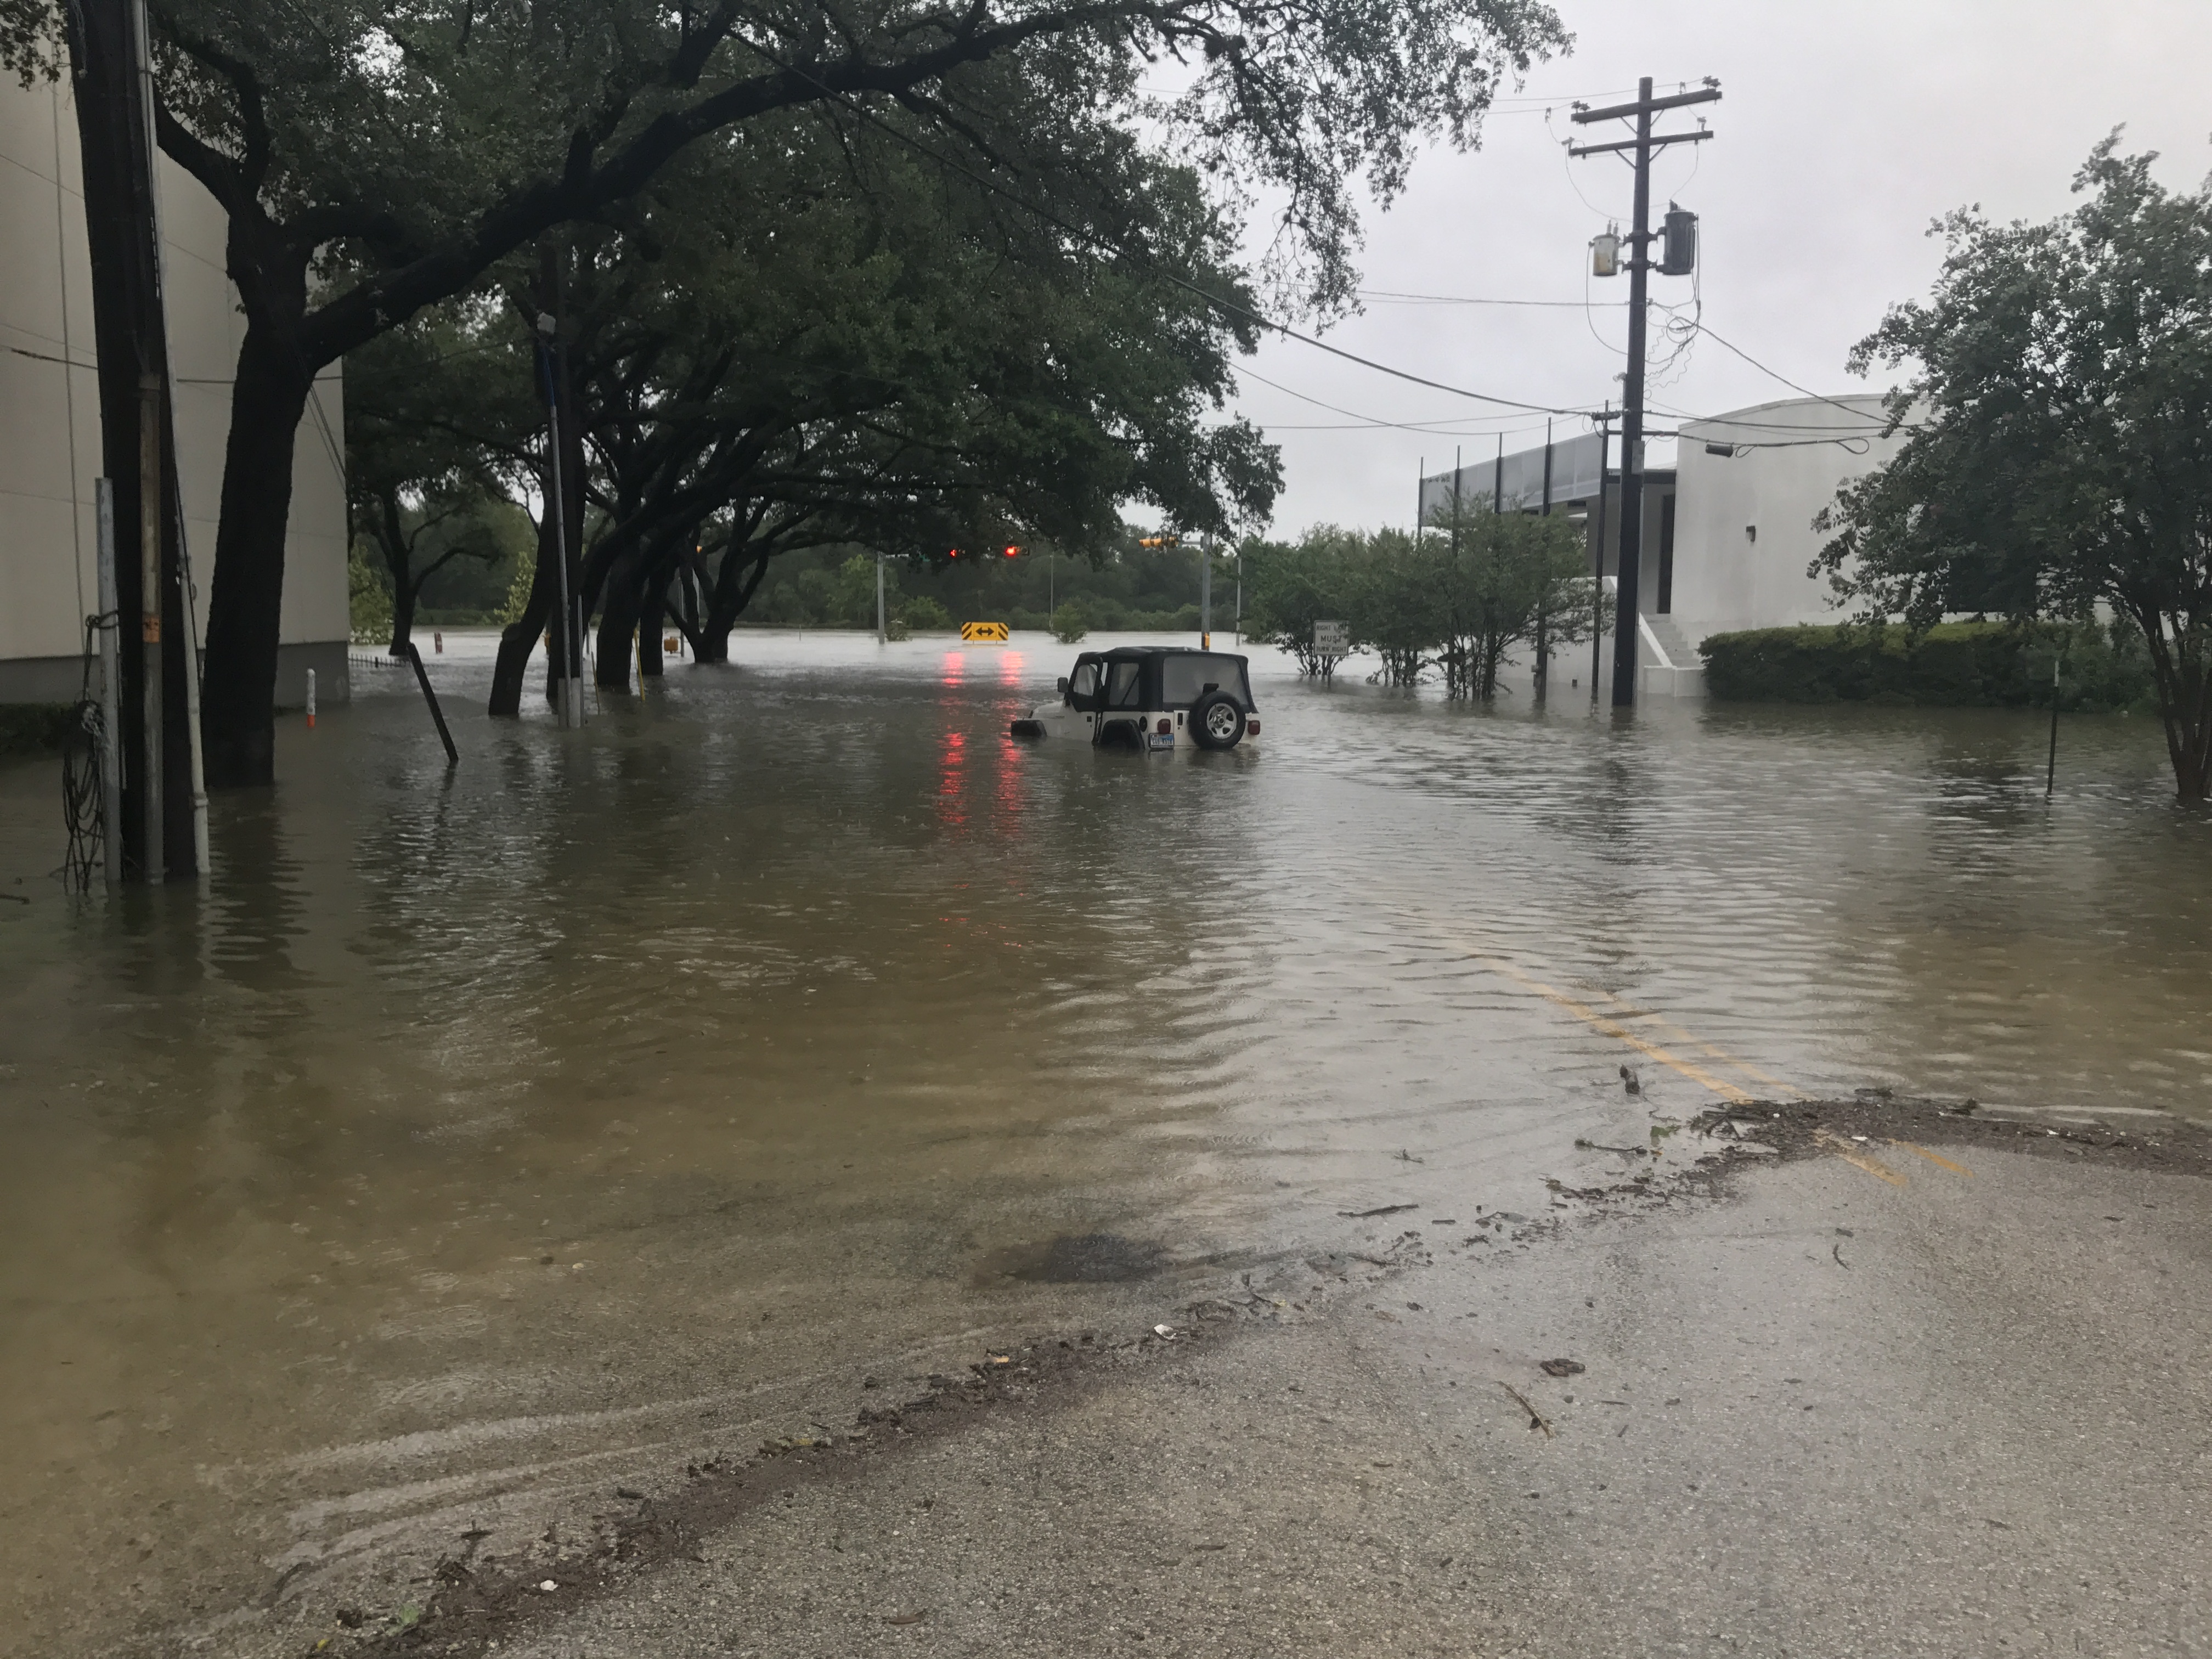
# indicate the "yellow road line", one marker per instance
pixel 1935 1157
pixel 1858 1159
pixel 1613 1028
pixel 1631 1011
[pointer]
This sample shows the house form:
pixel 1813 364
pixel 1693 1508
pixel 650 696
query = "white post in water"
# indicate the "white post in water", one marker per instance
pixel 882 637
pixel 111 701
pixel 311 699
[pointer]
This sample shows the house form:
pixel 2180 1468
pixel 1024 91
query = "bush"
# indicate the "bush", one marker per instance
pixel 1068 624
pixel 924 611
pixel 369 600
pixel 33 728
pixel 1952 665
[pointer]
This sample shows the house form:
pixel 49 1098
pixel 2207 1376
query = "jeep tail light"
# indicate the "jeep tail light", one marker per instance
pixel 1251 728
pixel 1164 727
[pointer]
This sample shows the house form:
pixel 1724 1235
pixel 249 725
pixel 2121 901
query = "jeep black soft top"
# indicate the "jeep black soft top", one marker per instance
pixel 1155 677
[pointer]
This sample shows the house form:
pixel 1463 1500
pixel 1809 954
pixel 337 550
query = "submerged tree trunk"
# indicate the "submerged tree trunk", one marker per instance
pixel 519 638
pixel 2184 702
pixel 651 618
pixel 620 605
pixel 735 584
pixel 238 697
pixel 403 596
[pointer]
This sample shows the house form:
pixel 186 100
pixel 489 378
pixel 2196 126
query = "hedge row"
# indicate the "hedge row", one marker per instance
pixel 33 728
pixel 1952 665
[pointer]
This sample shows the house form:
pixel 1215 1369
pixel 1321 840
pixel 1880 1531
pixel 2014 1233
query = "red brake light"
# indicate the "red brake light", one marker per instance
pixel 1164 727
pixel 1251 728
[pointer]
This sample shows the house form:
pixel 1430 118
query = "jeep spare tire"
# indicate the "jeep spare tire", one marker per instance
pixel 1217 722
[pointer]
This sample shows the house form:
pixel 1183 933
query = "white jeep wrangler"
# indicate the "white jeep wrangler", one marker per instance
pixel 1147 697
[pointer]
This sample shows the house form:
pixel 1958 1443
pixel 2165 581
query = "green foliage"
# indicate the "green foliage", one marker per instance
pixel 518 587
pixel 1952 665
pixel 369 598
pixel 1069 624
pixel 1462 598
pixel 2060 455
pixel 925 612
pixel 1506 580
pixel 852 598
pixel 1291 586
pixel 1396 609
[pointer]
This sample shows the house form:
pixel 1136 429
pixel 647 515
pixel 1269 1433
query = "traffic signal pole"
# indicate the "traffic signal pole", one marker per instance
pixel 1641 149
pixel 1205 595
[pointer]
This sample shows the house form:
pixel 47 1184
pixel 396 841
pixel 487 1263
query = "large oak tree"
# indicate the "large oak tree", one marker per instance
pixel 374 159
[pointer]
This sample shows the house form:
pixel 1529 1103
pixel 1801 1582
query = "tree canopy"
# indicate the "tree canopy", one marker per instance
pixel 376 160
pixel 2060 451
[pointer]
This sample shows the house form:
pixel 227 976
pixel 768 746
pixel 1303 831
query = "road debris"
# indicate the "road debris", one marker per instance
pixel 1562 1368
pixel 1630 1081
pixel 1536 1418
pixel 1384 1209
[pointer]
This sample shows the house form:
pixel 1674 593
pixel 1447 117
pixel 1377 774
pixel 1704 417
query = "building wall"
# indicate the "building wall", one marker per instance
pixel 1743 526
pixel 49 418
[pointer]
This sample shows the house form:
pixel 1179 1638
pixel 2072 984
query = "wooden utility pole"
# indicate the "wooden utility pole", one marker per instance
pixel 152 742
pixel 1641 148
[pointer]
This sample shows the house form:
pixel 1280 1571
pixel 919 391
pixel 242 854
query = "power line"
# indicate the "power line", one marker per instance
pixel 1456 300
pixel 1699 327
pixel 1438 425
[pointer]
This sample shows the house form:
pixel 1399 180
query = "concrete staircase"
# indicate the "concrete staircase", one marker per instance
pixel 1673 641
pixel 1683 672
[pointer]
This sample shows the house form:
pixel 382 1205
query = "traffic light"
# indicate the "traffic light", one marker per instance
pixel 1159 541
pixel 1013 552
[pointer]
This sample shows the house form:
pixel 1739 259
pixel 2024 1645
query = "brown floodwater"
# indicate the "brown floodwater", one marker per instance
pixel 638 1090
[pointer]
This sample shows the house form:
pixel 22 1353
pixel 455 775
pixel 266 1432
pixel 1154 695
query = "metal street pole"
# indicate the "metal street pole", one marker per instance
pixel 882 637
pixel 1205 594
pixel 1597 556
pixel 562 680
pixel 111 698
pixel 150 620
pixel 1543 643
pixel 2050 769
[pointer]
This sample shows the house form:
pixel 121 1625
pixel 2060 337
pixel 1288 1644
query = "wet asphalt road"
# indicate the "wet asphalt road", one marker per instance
pixel 1825 1415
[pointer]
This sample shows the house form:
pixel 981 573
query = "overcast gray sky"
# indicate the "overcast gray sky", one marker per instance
pixel 1843 129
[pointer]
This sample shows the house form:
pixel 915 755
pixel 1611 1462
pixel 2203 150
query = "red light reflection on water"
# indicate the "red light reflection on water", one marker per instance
pixel 956 764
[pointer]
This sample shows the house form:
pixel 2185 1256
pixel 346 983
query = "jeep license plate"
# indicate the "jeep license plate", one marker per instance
pixel 1159 740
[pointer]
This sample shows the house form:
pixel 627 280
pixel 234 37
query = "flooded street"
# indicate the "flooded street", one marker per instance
pixel 641 1088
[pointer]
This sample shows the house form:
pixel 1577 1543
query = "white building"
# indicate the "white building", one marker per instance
pixel 50 450
pixel 1728 531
